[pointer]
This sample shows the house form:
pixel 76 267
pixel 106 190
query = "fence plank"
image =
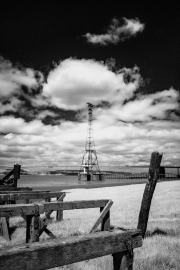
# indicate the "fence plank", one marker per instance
pixel 59 252
pixel 13 189
pixel 101 217
pixel 28 209
pixel 29 196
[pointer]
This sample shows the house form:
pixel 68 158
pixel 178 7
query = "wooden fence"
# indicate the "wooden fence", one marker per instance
pixel 11 198
pixel 35 225
pixel 11 178
pixel 118 242
pixel 59 252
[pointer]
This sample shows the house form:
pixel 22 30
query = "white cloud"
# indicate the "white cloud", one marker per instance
pixel 45 113
pixel 12 78
pixel 145 108
pixel 35 143
pixel 74 82
pixel 116 32
pixel 117 133
pixel 9 124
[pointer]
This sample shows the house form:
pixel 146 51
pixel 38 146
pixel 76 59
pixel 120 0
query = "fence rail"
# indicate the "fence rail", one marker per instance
pixel 140 176
pixel 8 197
pixel 35 225
pixel 59 252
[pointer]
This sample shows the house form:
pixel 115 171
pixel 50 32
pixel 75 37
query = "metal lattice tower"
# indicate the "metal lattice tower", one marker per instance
pixel 90 162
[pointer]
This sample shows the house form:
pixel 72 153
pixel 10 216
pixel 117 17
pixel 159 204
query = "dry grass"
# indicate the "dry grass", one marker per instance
pixel 161 247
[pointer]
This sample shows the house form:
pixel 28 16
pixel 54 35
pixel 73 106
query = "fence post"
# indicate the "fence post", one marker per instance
pixel 33 227
pixel 4 228
pixel 17 169
pixel 148 192
pixel 59 214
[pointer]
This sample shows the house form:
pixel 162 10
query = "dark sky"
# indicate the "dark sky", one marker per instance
pixel 50 67
pixel 37 33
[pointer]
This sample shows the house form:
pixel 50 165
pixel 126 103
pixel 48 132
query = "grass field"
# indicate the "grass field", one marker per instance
pixel 161 247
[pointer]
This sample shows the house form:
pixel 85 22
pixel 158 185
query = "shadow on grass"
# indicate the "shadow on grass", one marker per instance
pixel 158 231
pixel 12 230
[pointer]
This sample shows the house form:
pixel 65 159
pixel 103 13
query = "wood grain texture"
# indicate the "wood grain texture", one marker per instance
pixel 59 252
pixel 154 167
pixel 7 188
pixel 29 209
pixel 27 196
pixel 102 216
pixel 4 230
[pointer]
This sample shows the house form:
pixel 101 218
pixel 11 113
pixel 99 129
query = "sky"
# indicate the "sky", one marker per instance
pixel 121 56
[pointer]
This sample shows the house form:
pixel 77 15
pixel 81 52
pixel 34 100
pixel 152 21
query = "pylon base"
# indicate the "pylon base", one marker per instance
pixel 90 177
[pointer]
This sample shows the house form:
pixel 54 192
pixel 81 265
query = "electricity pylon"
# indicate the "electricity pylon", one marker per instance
pixel 89 164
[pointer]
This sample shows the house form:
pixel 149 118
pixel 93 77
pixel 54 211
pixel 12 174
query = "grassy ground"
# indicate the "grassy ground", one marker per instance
pixel 161 246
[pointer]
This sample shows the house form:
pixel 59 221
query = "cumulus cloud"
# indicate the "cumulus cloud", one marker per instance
pixel 74 82
pixel 116 32
pixel 45 113
pixel 12 78
pixel 35 143
pixel 159 105
pixel 127 126
pixel 10 124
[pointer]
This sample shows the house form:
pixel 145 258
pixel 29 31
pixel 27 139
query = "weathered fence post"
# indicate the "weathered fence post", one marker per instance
pixel 148 192
pixel 4 228
pixel 59 214
pixel 33 227
pixel 17 169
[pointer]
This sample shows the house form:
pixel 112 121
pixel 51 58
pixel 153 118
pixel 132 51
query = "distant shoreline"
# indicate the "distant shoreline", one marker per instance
pixel 85 186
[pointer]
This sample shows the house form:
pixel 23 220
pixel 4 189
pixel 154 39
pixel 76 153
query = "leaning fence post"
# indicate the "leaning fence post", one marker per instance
pixel 17 169
pixel 149 190
pixel 59 214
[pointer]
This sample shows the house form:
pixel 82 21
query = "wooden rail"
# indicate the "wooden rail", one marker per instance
pixel 14 189
pixel 29 209
pixel 59 252
pixel 36 225
pixel 4 221
pixel 28 195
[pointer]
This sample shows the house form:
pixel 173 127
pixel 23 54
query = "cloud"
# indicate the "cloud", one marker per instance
pixel 75 82
pixel 12 78
pixel 35 143
pixel 10 124
pixel 12 105
pixel 45 113
pixel 145 108
pixel 128 125
pixel 116 32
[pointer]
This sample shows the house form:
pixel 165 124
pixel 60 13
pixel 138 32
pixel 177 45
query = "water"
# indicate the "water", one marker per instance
pixel 47 180
pixel 62 182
